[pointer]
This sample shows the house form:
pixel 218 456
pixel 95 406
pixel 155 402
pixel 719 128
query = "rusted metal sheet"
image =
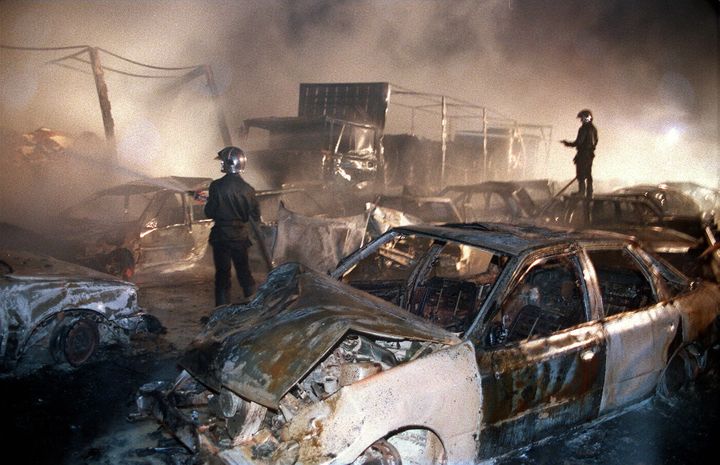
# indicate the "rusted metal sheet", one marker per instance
pixel 260 350
pixel 535 387
pixel 332 239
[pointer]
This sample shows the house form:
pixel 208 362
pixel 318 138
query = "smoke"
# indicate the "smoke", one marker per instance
pixel 647 69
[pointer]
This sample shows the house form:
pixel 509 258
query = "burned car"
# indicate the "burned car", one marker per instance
pixel 436 344
pixel 428 209
pixel 54 313
pixel 637 216
pixel 492 201
pixel 678 209
pixel 137 225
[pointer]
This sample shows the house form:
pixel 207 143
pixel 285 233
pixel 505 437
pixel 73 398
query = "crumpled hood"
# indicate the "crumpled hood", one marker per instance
pixel 262 349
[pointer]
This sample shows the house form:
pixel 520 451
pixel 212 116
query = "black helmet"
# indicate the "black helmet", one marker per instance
pixel 585 115
pixel 232 160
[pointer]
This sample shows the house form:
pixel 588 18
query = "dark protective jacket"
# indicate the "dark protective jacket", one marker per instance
pixel 585 142
pixel 231 203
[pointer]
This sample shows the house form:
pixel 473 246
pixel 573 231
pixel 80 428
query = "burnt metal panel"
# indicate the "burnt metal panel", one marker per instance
pixel 364 102
pixel 533 388
pixel 259 351
pixel 638 345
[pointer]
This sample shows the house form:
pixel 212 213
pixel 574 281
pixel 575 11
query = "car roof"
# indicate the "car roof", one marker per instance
pixel 511 239
pixel 505 187
pixel 619 197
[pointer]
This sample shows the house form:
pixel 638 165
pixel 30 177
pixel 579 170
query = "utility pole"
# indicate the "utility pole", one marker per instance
pixel 102 91
pixel 224 130
pixel 444 141
pixel 486 177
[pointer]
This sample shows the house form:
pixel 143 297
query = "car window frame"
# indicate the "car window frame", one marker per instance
pixel 509 280
pixel 645 269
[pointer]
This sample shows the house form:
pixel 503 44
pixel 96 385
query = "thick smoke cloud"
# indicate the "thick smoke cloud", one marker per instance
pixel 646 68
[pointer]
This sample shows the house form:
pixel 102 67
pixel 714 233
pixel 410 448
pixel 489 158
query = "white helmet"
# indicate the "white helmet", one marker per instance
pixel 232 160
pixel 585 116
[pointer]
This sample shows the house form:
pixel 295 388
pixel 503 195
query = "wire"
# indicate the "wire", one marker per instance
pixel 85 48
pixel 12 47
pixel 125 73
pixel 146 65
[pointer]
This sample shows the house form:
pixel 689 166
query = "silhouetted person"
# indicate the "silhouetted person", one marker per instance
pixel 231 204
pixel 585 144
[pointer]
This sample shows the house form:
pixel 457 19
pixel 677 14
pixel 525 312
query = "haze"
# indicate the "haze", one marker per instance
pixel 648 69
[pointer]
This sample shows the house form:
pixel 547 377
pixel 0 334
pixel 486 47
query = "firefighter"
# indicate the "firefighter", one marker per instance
pixel 584 143
pixel 232 205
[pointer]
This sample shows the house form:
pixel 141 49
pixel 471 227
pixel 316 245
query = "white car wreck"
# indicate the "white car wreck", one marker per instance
pixel 54 313
pixel 437 345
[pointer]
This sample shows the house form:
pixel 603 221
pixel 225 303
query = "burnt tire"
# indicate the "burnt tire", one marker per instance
pixel 121 263
pixel 380 453
pixel 76 341
pixel 684 366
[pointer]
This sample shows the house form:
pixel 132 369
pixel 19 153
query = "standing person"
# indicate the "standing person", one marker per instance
pixel 585 143
pixel 231 204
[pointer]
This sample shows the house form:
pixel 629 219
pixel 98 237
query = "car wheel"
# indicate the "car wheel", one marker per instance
pixel 380 453
pixel 684 365
pixel 76 341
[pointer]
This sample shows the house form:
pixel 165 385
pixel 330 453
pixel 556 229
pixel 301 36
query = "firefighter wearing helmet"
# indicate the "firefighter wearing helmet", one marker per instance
pixel 584 143
pixel 232 205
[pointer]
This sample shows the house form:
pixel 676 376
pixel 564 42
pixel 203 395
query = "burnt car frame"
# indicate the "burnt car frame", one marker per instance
pixel 492 201
pixel 679 210
pixel 515 332
pixel 54 313
pixel 634 215
pixel 138 225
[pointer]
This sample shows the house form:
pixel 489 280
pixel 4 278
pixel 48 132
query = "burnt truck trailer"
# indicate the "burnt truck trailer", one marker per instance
pixel 337 136
pixel 340 136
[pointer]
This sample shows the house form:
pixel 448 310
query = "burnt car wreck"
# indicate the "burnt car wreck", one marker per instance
pixel 138 225
pixel 58 314
pixel 524 331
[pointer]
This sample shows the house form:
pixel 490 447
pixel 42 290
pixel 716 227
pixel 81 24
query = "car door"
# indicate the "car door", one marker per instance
pixel 541 355
pixel 166 237
pixel 200 225
pixel 639 326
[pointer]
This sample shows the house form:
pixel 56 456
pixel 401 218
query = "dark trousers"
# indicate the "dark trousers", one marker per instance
pixel 583 170
pixel 225 253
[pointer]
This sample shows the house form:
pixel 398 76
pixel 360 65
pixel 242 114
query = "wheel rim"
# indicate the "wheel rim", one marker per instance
pixel 381 453
pixel 80 342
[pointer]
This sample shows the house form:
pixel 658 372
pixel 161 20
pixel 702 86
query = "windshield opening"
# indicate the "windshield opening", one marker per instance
pixel 112 208
pixel 444 282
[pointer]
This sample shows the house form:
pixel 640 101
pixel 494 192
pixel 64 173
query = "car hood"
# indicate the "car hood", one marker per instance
pixel 260 350
pixel 661 239
pixel 30 266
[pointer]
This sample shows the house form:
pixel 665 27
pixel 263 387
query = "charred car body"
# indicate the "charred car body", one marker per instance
pixel 679 210
pixel 635 215
pixel 57 313
pixel 436 344
pixel 137 225
pixel 492 201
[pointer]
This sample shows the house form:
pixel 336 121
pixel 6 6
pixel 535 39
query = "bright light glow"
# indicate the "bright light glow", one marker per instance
pixel 672 136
